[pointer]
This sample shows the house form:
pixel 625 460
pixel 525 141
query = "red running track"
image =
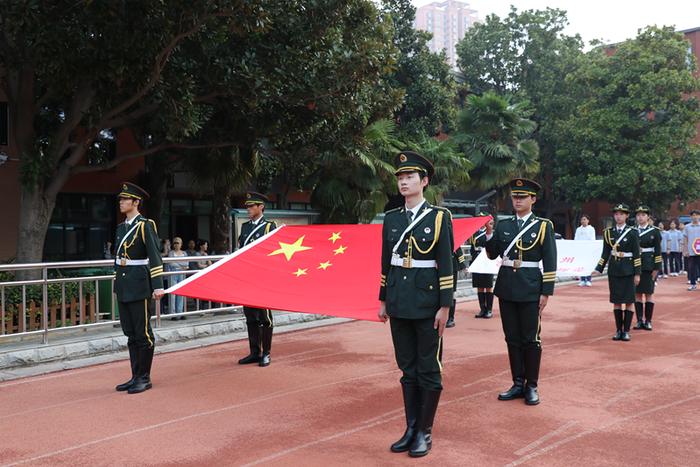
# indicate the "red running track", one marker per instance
pixel 331 397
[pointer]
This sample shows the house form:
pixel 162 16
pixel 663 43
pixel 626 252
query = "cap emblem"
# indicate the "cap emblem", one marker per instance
pixel 403 158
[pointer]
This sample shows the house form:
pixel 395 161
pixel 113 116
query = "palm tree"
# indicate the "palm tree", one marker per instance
pixel 496 137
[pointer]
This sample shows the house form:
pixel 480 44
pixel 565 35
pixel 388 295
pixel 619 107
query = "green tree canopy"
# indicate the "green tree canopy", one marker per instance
pixel 629 138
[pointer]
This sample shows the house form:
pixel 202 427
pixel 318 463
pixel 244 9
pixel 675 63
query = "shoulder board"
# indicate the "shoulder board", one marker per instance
pixel 392 210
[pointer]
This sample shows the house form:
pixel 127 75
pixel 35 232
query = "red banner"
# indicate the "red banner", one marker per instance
pixel 322 269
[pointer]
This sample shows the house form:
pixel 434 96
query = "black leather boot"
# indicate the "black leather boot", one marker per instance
pixel 482 305
pixel 423 440
pixel 618 324
pixel 266 334
pixel 133 358
pixel 517 370
pixel 254 332
pixel 411 405
pixel 648 313
pixel 533 356
pixel 451 318
pixel 143 380
pixel 488 302
pixel 639 311
pixel 626 328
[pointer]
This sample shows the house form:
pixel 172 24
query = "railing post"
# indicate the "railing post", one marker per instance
pixel 158 312
pixel 23 323
pixel 63 304
pixel 2 310
pixel 45 305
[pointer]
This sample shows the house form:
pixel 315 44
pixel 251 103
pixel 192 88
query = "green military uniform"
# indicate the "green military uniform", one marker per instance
pixel 621 254
pixel 416 281
pixel 459 263
pixel 519 285
pixel 481 281
pixel 138 272
pixel 258 320
pixel 650 251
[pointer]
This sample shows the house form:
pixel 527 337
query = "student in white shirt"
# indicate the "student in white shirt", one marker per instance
pixel 585 232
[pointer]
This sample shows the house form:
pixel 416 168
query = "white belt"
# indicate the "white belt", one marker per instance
pixel 621 254
pixel 415 263
pixel 520 264
pixel 647 250
pixel 479 248
pixel 131 262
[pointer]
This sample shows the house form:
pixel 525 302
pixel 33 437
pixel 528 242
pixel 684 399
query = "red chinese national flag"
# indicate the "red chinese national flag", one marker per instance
pixel 322 269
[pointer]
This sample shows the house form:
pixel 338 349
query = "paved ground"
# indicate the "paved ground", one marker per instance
pixel 331 397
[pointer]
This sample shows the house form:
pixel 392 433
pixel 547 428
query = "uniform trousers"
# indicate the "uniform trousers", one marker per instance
pixel 693 269
pixel 258 317
pixel 521 323
pixel 418 350
pixel 136 324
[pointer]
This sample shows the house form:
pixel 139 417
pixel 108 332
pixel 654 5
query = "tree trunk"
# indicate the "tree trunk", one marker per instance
pixel 220 213
pixel 158 173
pixel 36 207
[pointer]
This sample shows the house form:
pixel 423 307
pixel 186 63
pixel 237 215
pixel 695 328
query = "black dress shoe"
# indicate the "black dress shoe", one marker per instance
pixel 531 396
pixel 625 336
pixel 647 326
pixel 488 314
pixel 617 336
pixel 639 325
pixel 421 445
pixel 141 383
pixel 252 358
pixel 516 391
pixel 265 360
pixel 450 323
pixel 480 314
pixel 125 386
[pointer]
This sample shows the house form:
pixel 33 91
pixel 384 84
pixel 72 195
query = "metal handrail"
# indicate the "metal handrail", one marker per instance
pixel 45 282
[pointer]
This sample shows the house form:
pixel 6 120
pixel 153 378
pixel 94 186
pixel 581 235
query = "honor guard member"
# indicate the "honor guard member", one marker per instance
pixel 652 264
pixel 416 293
pixel 258 320
pixel 138 278
pixel 483 283
pixel 459 263
pixel 621 254
pixel 522 289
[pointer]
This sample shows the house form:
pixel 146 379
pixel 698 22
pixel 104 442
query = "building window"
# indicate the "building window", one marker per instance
pixel 4 124
pixel 80 227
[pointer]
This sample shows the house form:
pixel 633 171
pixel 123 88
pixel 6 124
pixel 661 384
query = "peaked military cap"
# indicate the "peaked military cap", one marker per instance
pixel 132 190
pixel 621 207
pixel 524 186
pixel 253 197
pixel 409 161
pixel 642 208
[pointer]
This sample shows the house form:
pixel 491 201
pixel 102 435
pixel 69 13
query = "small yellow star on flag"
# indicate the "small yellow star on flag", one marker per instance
pixel 300 272
pixel 325 265
pixel 289 249
pixel 340 250
pixel 335 236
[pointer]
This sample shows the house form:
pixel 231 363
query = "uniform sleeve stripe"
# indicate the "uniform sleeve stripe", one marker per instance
pixel 156 274
pixel 445 287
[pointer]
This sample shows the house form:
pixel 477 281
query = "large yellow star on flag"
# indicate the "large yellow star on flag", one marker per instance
pixel 289 249
pixel 334 236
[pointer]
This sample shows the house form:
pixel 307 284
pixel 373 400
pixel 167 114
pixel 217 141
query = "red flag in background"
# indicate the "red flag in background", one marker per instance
pixel 322 269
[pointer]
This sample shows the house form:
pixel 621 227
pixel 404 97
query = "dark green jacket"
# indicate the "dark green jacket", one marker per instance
pixel 620 267
pixel 650 238
pixel 417 293
pixel 248 227
pixel 537 244
pixel 133 283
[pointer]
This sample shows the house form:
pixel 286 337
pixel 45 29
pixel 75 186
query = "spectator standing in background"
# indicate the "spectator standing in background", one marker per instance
pixel 664 249
pixel 585 231
pixel 177 302
pixel 691 235
pixel 675 242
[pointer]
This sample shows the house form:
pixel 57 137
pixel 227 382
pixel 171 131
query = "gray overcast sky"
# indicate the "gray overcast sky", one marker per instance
pixel 611 20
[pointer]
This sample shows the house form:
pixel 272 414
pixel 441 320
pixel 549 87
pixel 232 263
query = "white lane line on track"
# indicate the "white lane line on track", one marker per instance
pixel 546 437
pixel 600 428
